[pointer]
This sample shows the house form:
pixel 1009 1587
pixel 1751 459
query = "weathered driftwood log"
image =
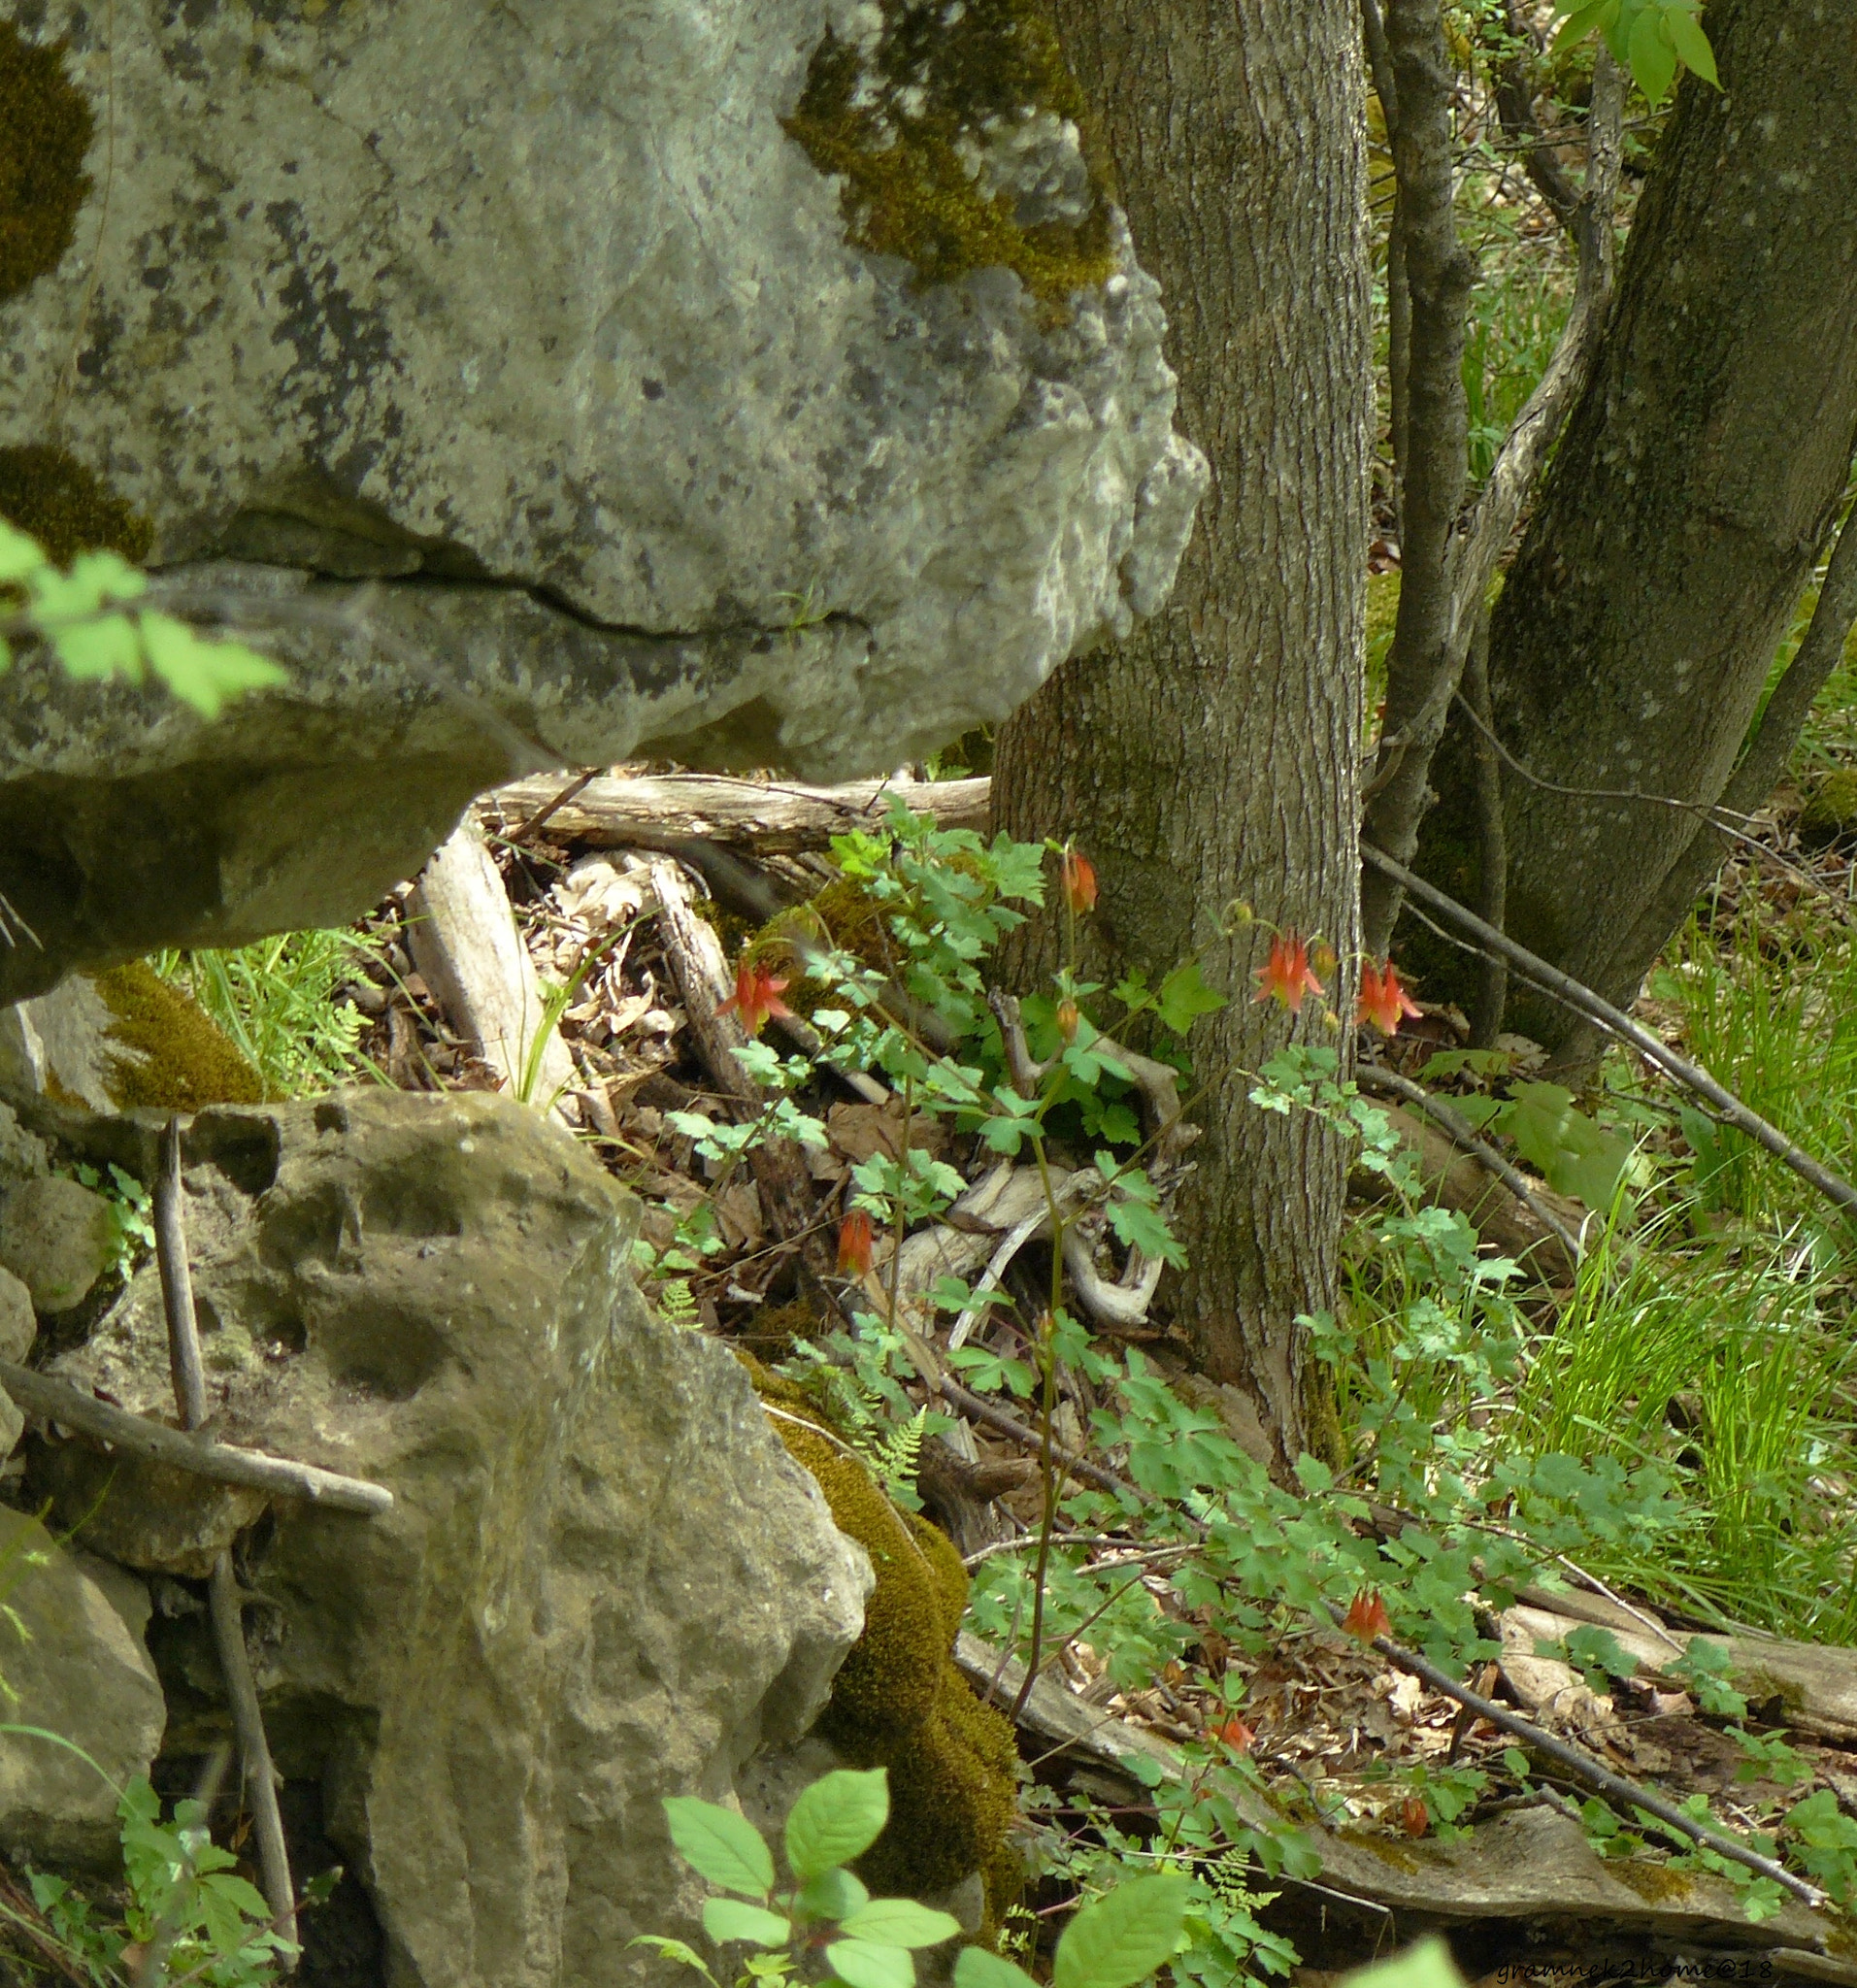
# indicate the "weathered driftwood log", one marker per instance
pixel 37 1394
pixel 773 819
pixel 701 974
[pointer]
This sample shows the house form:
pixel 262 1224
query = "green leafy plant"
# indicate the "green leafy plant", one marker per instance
pixel 277 1001
pixel 1652 39
pixel 81 614
pixel 824 1920
pixel 131 1211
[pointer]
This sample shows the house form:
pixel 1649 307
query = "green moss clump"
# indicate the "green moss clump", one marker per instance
pixel 899 1702
pixel 900 121
pixel 180 1057
pixel 48 127
pixel 67 508
pixel 1830 813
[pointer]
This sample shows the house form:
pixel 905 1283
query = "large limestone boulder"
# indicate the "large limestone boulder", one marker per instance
pixel 764 381
pixel 72 1656
pixel 603 1581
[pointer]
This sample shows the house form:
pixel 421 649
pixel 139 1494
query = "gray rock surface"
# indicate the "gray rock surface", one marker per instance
pixel 18 1328
pixel 80 1668
pixel 537 319
pixel 58 1238
pixel 603 1581
pixel 22 1153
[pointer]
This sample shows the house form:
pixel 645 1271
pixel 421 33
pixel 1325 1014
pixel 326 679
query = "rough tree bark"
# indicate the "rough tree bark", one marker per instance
pixel 1693 491
pixel 1212 756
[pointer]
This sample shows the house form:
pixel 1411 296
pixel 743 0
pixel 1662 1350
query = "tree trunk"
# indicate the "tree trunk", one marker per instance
pixel 1693 491
pixel 1212 757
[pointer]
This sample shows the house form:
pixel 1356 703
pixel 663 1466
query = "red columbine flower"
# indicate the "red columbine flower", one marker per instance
pixel 1383 1000
pixel 1236 1734
pixel 1366 1616
pixel 1066 1017
pixel 757 995
pixel 1413 1817
pixel 854 1244
pixel 1079 876
pixel 1285 976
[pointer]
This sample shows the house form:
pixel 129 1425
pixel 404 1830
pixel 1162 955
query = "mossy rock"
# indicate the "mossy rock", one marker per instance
pixel 906 122
pixel 67 508
pixel 48 127
pixel 899 1702
pixel 176 1057
pixel 1831 810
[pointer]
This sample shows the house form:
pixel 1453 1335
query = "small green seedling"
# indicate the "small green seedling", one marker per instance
pixel 829 1917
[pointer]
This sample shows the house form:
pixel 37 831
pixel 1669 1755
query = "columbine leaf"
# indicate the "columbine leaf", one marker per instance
pixel 839 1817
pixel 721 1845
pixel 902 1922
pixel 1125 1938
pixel 978 1969
pixel 20 555
pixel 1183 995
pixel 207 675
pixel 726 1919
pixel 104 647
pixel 863 1964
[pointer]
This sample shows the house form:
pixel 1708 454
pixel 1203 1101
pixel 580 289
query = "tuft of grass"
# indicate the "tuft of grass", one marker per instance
pixel 1774 1015
pixel 1728 1365
pixel 276 999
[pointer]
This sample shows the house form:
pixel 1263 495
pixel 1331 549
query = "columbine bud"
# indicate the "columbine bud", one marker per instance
pixel 1079 875
pixel 1067 1018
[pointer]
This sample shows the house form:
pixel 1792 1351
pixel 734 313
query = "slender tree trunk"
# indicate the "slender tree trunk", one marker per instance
pixel 1692 493
pixel 1212 756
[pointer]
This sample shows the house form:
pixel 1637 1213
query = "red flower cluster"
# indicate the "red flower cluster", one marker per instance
pixel 1366 1616
pixel 1286 977
pixel 757 995
pixel 1383 1000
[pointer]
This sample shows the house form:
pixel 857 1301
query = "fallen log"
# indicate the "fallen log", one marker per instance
pixel 772 820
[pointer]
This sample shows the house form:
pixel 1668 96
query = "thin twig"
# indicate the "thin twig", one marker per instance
pixel 1593 1773
pixel 1582 998
pixel 57 1401
pixel 1459 1131
pixel 224 1602
pixel 545 813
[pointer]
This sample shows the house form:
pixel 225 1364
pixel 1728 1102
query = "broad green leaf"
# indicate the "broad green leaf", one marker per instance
pixel 902 1922
pixel 1428 1965
pixel 834 1894
pixel 1183 995
pixel 672 1950
pixel 721 1845
pixel 1583 20
pixel 206 675
pixel 725 1919
pixel 978 1969
pixel 1571 1154
pixel 863 1964
pixel 20 555
pixel 1692 44
pixel 839 1817
pixel 1653 56
pixel 1125 1938
pixel 231 1910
